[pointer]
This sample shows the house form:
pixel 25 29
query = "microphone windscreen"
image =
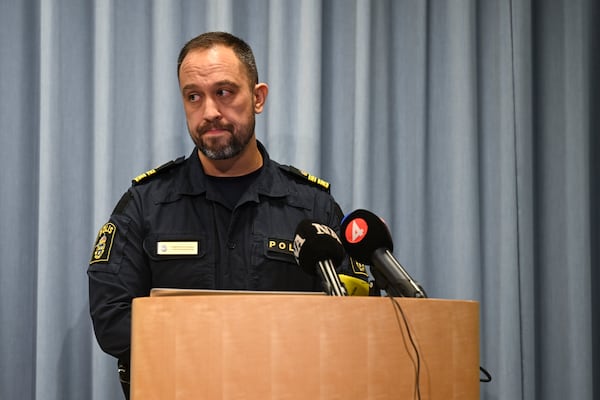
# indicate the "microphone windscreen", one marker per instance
pixel 364 232
pixel 316 242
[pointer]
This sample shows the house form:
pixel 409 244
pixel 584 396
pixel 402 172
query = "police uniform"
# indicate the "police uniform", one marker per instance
pixel 173 229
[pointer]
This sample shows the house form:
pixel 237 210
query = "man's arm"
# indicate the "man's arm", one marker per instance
pixel 117 273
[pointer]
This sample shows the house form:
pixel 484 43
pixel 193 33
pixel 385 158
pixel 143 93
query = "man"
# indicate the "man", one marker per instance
pixel 224 218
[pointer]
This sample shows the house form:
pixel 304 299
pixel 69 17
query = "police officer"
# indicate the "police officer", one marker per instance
pixel 223 218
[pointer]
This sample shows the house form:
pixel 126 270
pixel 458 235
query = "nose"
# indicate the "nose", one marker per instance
pixel 211 110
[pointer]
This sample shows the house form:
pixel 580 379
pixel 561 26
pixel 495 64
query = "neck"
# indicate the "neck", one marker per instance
pixel 248 161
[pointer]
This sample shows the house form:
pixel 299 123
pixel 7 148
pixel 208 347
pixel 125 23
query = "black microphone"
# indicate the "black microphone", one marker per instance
pixel 368 240
pixel 318 250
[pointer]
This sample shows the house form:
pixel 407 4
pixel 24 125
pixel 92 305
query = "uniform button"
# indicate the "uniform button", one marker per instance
pixel 231 245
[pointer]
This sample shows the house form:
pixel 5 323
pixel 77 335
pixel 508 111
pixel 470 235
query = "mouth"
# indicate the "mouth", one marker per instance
pixel 214 131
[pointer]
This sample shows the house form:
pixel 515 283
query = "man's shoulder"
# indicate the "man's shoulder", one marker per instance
pixel 159 171
pixel 304 177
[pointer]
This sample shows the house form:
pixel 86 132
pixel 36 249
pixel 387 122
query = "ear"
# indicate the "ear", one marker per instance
pixel 261 90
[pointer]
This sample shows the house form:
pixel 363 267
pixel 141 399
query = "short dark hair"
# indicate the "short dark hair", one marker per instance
pixel 211 39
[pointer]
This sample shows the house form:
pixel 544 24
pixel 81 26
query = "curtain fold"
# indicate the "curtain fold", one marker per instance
pixel 470 127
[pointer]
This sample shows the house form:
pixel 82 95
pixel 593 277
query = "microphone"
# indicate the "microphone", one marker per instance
pixel 318 250
pixel 368 240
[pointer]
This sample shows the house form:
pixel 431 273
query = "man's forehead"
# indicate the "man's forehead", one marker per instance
pixel 214 55
pixel 215 59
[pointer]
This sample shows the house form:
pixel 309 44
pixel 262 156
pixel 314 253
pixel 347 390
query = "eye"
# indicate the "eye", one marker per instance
pixel 193 97
pixel 224 92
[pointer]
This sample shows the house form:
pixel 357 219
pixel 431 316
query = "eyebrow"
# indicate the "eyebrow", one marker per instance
pixel 224 82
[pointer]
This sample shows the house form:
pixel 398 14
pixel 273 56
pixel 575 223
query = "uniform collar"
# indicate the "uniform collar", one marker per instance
pixel 269 183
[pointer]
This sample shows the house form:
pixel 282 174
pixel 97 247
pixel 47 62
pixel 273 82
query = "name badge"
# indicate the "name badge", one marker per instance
pixel 177 248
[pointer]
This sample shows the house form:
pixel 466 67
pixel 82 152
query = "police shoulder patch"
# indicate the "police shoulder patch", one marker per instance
pixel 104 242
pixel 358 268
pixel 320 183
pixel 154 171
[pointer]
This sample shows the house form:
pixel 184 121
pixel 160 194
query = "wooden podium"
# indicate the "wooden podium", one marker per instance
pixel 289 346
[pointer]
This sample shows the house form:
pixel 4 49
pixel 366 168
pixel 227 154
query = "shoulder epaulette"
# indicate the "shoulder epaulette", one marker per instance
pixel 154 171
pixel 322 184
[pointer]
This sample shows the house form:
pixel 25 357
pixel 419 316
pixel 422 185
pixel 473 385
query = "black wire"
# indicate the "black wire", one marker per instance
pixel 414 346
pixel 488 376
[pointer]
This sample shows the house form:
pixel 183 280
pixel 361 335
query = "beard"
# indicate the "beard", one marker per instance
pixel 233 145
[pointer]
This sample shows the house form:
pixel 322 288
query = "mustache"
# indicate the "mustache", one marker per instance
pixel 207 127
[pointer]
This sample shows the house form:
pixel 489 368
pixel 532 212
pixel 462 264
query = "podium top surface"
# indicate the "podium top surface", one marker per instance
pixel 160 292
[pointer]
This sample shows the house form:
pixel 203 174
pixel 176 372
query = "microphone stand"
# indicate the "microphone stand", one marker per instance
pixel 399 282
pixel 331 281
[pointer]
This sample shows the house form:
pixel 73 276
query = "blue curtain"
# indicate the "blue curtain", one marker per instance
pixel 471 127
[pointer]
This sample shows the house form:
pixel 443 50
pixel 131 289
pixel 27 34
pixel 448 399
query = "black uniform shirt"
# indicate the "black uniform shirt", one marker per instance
pixel 174 230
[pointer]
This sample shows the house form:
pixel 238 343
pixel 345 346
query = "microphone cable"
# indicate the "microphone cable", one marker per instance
pixel 488 376
pixel 417 363
pixel 417 359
